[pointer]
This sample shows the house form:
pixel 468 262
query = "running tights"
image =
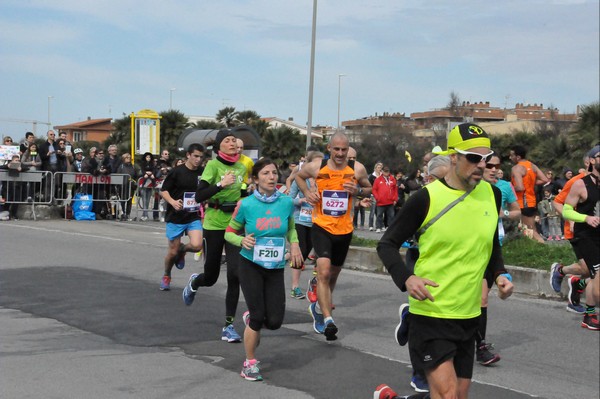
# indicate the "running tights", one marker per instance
pixel 214 240
pixel 264 291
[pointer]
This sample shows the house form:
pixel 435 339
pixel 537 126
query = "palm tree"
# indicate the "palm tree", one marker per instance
pixel 247 117
pixel 172 124
pixel 282 144
pixel 260 125
pixel 121 134
pixel 227 116
pixel 205 125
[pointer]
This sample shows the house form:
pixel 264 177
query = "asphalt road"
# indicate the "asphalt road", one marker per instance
pixel 81 315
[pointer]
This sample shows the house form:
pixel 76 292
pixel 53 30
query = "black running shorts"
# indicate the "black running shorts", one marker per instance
pixel 587 247
pixel 331 246
pixel 432 341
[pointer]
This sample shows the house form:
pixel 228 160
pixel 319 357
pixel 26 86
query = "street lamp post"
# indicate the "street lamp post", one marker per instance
pixel 49 124
pixel 339 97
pixel 312 75
pixel 171 98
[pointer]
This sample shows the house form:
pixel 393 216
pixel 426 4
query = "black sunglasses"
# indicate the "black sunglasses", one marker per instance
pixel 492 165
pixel 474 157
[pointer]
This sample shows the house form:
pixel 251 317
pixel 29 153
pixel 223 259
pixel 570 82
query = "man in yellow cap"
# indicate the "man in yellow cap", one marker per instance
pixel 456 221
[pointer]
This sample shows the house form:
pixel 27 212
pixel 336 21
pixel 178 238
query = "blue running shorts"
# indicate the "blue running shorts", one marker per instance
pixel 175 231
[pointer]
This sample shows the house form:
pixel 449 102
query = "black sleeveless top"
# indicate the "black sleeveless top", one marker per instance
pixel 591 206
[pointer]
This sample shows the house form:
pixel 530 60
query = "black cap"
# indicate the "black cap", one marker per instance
pixel 220 137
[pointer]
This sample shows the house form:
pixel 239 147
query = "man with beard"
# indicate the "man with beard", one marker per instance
pixel 456 219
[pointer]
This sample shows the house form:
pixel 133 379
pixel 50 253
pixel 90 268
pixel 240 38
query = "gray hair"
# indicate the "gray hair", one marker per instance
pixel 437 162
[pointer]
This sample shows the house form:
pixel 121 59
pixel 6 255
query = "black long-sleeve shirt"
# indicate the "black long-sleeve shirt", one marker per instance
pixel 406 224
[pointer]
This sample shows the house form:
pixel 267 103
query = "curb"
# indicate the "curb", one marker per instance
pixel 527 281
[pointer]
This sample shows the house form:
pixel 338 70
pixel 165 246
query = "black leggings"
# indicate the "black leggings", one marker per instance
pixel 214 240
pixel 305 240
pixel 264 291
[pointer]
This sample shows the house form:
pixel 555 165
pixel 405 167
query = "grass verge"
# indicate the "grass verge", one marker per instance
pixel 518 251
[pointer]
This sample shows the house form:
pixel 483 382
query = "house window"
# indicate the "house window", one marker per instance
pixel 78 136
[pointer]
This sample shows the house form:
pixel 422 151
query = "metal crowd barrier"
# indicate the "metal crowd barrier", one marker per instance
pixel 31 187
pixel 109 192
pixel 114 194
pixel 149 204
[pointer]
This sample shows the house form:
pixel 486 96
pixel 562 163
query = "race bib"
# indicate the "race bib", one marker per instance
pixel 269 252
pixel 189 202
pixel 305 213
pixel 335 202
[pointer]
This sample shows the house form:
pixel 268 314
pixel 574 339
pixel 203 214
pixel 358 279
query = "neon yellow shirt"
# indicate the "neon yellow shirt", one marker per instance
pixel 455 251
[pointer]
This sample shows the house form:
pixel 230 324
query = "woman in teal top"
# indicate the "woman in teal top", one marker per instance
pixel 267 217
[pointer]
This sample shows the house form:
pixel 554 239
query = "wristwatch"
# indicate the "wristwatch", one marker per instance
pixel 506 213
pixel 219 185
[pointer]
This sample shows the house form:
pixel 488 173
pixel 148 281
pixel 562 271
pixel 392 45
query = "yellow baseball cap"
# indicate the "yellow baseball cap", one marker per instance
pixel 464 137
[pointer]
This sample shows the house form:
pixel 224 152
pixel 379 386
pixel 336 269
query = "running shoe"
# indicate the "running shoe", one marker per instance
pixel 419 383
pixel 590 321
pixel 297 293
pixel 188 292
pixel 384 392
pixel 401 332
pixel 318 320
pixel 165 283
pixel 574 291
pixel 250 370
pixel 485 356
pixel 198 256
pixel 330 331
pixel 230 335
pixel 378 231
pixel 579 309
pixel 311 292
pixel 180 261
pixel 555 277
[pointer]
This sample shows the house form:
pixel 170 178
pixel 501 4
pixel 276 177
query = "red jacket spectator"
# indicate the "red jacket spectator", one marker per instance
pixel 385 190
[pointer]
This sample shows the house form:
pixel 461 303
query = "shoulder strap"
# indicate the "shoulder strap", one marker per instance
pixel 443 212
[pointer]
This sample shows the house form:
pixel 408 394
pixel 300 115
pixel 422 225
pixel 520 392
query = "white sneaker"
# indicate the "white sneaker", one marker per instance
pixel 370 229
pixel 384 229
pixel 378 231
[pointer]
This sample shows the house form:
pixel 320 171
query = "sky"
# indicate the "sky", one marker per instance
pixel 68 60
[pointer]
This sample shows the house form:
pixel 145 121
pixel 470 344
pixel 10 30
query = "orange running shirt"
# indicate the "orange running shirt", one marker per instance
pixel 333 212
pixel 526 198
pixel 562 197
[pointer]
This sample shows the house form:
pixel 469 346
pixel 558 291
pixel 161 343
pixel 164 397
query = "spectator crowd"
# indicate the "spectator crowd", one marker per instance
pixel 390 187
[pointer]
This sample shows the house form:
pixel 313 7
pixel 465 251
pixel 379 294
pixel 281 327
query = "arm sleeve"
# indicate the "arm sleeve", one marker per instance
pixel 232 231
pixel 403 226
pixel 495 266
pixel 570 213
pixel 292 234
pixel 205 191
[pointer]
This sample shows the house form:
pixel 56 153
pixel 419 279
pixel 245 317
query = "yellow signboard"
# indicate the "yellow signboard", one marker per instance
pixel 145 132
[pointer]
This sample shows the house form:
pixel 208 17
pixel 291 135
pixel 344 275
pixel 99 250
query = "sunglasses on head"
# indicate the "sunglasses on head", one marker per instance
pixel 474 157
